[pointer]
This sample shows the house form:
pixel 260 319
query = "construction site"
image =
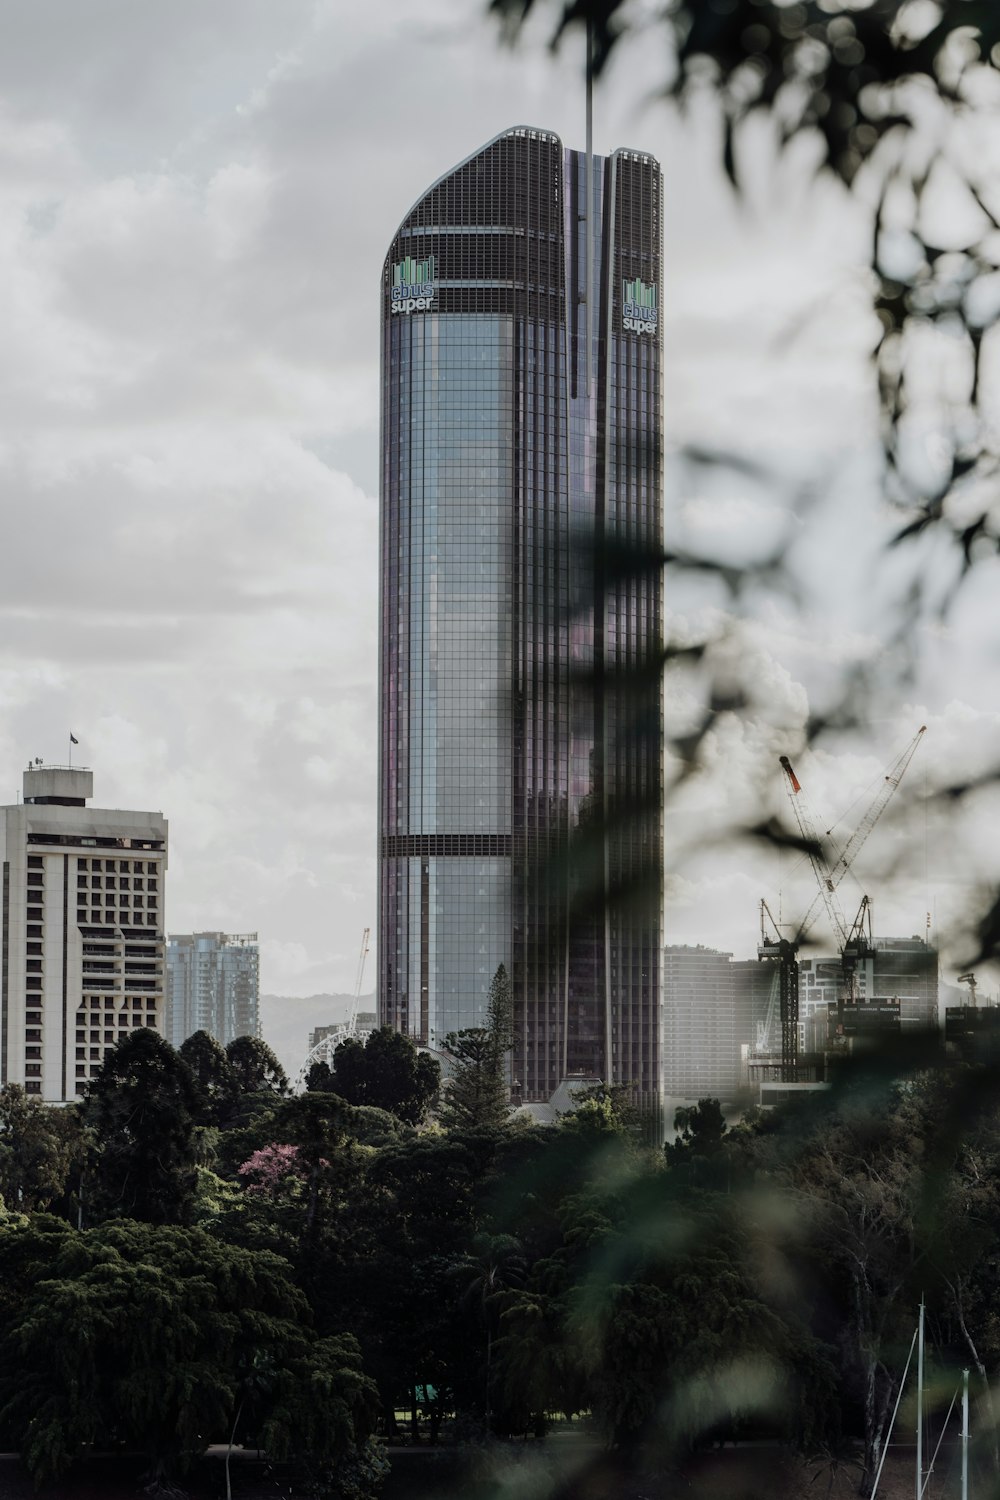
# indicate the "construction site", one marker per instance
pixel 820 1010
pixel 823 984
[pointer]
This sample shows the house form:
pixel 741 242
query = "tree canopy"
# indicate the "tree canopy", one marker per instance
pixel 140 1113
pixel 385 1072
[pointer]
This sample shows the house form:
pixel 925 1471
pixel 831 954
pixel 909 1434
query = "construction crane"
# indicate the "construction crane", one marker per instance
pixel 854 942
pixel 335 1036
pixel 359 979
pixel 970 980
pixel 783 999
pixel 888 787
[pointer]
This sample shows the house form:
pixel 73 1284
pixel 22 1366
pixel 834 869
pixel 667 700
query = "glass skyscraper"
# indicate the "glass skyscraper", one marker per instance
pixel 521 745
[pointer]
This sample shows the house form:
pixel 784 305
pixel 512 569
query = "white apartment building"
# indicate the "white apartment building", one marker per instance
pixel 82 937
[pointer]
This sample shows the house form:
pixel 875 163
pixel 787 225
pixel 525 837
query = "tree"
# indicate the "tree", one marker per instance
pixel 255 1066
pixel 213 1073
pixel 500 1014
pixel 496 1264
pixel 887 101
pixel 850 1172
pixel 157 1336
pixel 476 1095
pixel 39 1146
pixel 388 1073
pixel 140 1111
pixel 319 1079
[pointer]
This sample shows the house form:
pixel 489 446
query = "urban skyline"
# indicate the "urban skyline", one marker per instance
pixel 215 650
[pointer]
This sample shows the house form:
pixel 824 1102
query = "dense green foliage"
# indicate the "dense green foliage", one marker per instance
pixel 385 1072
pixel 336 1265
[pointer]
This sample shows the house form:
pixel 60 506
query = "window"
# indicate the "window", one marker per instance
pixel 81 1072
pixel 32 1036
pixel 32 1051
pixel 81 1051
pixel 33 1018
pixel 151 1020
pixel 32 1086
pixel 94 1051
pixel 109 1036
pixel 35 861
pixel 81 1088
pixel 33 1070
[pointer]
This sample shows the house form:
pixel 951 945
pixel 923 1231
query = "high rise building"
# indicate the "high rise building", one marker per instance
pixel 520 741
pixel 213 985
pixel 707 1021
pixel 81 949
pixel 899 968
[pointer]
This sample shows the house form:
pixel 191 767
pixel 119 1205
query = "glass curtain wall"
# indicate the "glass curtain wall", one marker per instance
pixel 506 462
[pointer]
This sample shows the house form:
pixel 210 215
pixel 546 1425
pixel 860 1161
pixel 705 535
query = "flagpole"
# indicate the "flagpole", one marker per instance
pixel 71 752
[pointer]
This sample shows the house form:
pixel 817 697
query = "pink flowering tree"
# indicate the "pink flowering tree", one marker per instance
pixel 268 1169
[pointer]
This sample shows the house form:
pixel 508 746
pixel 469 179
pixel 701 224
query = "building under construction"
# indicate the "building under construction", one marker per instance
pixel 790 1038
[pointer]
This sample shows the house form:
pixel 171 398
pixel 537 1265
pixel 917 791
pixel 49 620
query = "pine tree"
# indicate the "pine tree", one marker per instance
pixel 478 1093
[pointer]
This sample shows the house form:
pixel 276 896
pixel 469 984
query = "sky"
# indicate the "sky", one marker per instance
pixel 195 202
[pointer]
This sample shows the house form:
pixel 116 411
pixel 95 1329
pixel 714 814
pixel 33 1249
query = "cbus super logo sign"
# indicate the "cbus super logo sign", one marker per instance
pixel 638 307
pixel 412 285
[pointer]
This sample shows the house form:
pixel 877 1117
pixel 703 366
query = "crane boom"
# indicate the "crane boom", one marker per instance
pixel 353 1023
pixel 814 851
pixel 887 790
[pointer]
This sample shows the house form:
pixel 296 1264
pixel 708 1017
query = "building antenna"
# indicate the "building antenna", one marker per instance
pixel 589 197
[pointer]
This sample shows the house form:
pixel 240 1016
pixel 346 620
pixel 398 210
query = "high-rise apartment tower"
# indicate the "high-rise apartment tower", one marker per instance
pixel 213 985
pixel 521 731
pixel 81 947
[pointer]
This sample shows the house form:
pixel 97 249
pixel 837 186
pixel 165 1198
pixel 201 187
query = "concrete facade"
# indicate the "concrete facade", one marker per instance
pixel 81 941
pixel 707 1022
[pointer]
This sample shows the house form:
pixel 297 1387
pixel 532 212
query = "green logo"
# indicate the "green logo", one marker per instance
pixel 412 285
pixel 639 314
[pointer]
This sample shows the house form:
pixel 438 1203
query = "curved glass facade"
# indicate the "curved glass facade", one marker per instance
pixel 511 721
